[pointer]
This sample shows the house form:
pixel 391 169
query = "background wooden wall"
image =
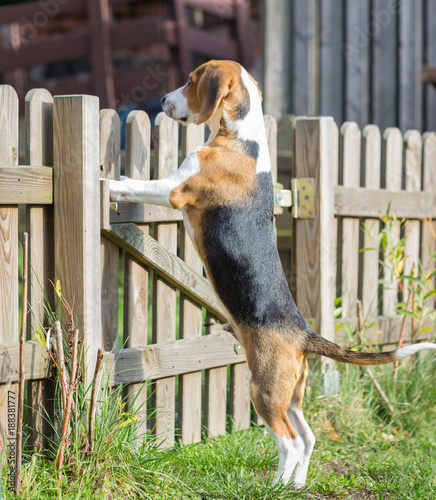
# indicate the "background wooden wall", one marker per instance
pixel 358 60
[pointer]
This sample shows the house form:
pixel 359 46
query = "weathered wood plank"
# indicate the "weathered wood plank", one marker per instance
pixel 410 24
pixel 135 364
pixel 191 317
pixel 138 135
pixel 370 271
pixel 8 245
pixel 332 60
pixel 110 167
pixel 215 401
pixel 164 295
pixel 37 362
pixel 77 215
pixel 429 186
pixel 393 164
pixel 239 397
pixel 357 20
pixel 160 361
pixel 276 71
pixel 142 213
pixel 146 250
pixel 350 164
pixel 26 184
pixel 384 65
pixel 430 59
pixel 305 94
pixel 364 202
pixel 39 226
pixel 315 155
pixel 412 229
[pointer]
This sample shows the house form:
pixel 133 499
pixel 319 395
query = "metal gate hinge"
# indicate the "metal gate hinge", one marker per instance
pixel 299 197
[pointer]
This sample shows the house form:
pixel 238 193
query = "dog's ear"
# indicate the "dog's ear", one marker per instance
pixel 213 87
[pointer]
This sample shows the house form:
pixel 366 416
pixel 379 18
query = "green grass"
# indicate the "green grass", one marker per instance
pixel 362 451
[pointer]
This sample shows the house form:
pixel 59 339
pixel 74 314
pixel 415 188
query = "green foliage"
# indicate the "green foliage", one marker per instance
pixel 362 450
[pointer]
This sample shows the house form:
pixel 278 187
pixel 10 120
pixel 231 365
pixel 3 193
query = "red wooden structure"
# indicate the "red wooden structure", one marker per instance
pixel 162 40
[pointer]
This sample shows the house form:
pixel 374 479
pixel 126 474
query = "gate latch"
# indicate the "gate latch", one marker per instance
pixel 299 197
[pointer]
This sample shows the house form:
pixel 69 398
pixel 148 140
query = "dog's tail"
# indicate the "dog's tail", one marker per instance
pixel 319 345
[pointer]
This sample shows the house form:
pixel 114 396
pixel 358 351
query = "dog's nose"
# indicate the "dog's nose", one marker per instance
pixel 163 99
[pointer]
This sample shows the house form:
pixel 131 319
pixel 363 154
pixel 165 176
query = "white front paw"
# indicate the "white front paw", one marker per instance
pixel 117 190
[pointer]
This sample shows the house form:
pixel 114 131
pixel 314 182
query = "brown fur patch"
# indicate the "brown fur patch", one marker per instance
pixel 275 362
pixel 226 176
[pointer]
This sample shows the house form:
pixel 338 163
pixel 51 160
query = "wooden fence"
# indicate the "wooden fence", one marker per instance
pixel 76 234
pixel 359 60
pixel 76 241
pixel 359 176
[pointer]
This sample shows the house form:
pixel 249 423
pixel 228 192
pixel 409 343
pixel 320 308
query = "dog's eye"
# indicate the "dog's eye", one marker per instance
pixel 189 83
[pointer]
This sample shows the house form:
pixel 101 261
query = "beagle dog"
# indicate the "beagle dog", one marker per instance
pixel 225 192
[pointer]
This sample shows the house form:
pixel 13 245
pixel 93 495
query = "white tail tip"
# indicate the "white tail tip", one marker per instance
pixel 412 349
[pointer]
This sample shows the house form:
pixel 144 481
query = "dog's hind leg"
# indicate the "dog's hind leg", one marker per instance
pixel 298 421
pixel 271 393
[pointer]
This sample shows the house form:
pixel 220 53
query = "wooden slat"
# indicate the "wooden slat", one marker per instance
pixel 357 20
pixel 304 99
pixel 211 45
pixel 47 50
pixel 429 186
pixel 430 59
pixel 100 51
pixel 393 164
pixel 370 272
pixel 138 135
pixel 39 225
pixel 110 167
pixel 191 317
pixel 77 216
pixel 37 365
pixel 239 396
pixel 26 184
pixel 161 361
pixel 363 202
pixel 164 295
pixel 136 364
pixel 410 24
pixel 276 61
pixel 385 64
pixel 332 60
pixel 315 156
pixel 271 136
pixel 350 164
pixel 146 250
pixel 413 166
pixel 10 13
pixel 141 213
pixel 8 248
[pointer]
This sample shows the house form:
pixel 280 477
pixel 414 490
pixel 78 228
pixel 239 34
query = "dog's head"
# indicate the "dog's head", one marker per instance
pixel 211 88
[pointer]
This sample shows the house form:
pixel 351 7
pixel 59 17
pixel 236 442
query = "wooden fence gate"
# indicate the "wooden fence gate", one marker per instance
pixel 80 239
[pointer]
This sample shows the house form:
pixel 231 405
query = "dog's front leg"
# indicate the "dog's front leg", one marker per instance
pixel 155 192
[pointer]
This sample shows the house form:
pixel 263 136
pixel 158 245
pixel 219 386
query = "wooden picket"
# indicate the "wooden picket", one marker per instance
pixel 8 254
pixel 191 318
pixel 39 226
pixel 164 295
pixel 138 133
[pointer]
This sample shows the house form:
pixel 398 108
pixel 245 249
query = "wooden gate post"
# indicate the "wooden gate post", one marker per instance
pixel 316 156
pixel 77 216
